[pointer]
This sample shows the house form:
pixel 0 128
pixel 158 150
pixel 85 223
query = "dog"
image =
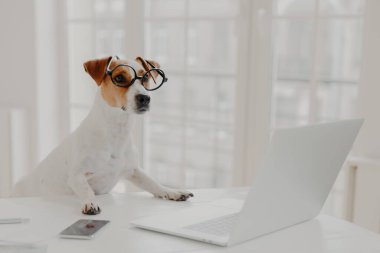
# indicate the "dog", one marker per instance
pixel 93 158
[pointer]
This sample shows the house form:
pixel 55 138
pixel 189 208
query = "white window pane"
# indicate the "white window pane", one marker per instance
pixel 164 42
pixel 224 161
pixel 213 8
pixel 194 113
pixel 290 105
pixel 79 9
pixel 294 7
pixel 109 8
pixel 165 8
pixel 201 167
pixel 201 102
pixel 165 111
pixel 333 61
pixel 337 100
pixel 167 101
pixel 340 50
pixel 200 92
pixel 170 94
pixel 196 178
pixel 293 55
pixel 167 174
pixel 212 46
pixel 165 141
pixel 199 158
pixel 341 7
pixel 224 175
pixel 164 154
pixel 201 114
pixel 225 95
pixel 224 135
pixel 165 130
pixel 200 135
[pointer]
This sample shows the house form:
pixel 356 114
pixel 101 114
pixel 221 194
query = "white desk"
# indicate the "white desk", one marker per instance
pixel 50 216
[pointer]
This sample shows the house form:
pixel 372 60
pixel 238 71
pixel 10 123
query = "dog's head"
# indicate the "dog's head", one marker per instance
pixel 126 83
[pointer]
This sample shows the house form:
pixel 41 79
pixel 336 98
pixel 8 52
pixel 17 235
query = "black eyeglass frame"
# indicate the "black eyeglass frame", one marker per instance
pixel 136 77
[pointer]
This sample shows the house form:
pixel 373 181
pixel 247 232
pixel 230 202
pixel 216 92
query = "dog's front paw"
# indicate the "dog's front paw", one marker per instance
pixel 176 195
pixel 91 209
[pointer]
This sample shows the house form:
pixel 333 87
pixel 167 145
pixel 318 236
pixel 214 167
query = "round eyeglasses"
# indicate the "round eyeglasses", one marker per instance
pixel 151 80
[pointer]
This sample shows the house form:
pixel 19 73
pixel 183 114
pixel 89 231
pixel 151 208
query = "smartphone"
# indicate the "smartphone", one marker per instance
pixel 83 229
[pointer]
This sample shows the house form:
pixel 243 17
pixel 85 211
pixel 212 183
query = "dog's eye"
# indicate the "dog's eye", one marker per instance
pixel 119 78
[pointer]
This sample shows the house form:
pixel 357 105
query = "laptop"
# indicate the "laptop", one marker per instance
pixel 289 188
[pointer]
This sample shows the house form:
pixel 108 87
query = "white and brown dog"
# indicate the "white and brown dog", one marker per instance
pixel 92 159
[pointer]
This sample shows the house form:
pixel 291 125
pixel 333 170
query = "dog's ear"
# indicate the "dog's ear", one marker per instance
pixel 154 63
pixel 147 64
pixel 97 68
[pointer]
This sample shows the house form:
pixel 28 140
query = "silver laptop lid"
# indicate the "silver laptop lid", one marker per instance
pixel 296 178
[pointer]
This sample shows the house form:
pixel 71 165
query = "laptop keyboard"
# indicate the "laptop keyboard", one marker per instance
pixel 220 226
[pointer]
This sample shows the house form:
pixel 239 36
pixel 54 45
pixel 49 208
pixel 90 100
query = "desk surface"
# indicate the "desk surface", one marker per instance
pixel 50 216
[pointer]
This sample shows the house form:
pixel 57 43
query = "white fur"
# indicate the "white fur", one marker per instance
pixel 94 157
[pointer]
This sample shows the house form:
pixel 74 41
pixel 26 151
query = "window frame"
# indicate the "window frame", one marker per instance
pixel 252 98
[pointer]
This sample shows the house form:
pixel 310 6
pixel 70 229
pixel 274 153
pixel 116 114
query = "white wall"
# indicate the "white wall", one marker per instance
pixel 17 51
pixel 368 142
pixel 52 108
pixel 18 76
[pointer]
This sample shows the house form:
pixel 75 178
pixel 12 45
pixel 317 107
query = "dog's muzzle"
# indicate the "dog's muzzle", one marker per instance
pixel 142 103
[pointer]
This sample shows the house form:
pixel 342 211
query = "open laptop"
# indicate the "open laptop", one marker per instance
pixel 291 187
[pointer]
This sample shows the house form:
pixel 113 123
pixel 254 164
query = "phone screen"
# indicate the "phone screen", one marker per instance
pixel 83 228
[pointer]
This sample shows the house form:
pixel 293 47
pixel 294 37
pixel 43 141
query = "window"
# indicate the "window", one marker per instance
pixel 316 60
pixel 188 135
pixel 189 131
pixel 95 28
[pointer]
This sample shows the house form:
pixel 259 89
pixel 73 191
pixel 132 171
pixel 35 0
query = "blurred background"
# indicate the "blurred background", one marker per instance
pixel 237 70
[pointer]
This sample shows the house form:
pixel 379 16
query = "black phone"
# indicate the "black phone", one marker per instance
pixel 83 229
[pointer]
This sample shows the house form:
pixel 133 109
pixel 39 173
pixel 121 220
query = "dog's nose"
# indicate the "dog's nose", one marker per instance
pixel 142 100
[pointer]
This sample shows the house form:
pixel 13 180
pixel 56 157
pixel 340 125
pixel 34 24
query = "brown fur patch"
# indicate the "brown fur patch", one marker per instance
pixel 140 72
pixel 97 68
pixel 112 94
pixel 154 63
pixel 143 63
pixel 88 174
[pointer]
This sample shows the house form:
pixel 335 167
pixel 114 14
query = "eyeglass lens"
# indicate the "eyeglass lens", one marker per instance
pixel 123 75
pixel 152 79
